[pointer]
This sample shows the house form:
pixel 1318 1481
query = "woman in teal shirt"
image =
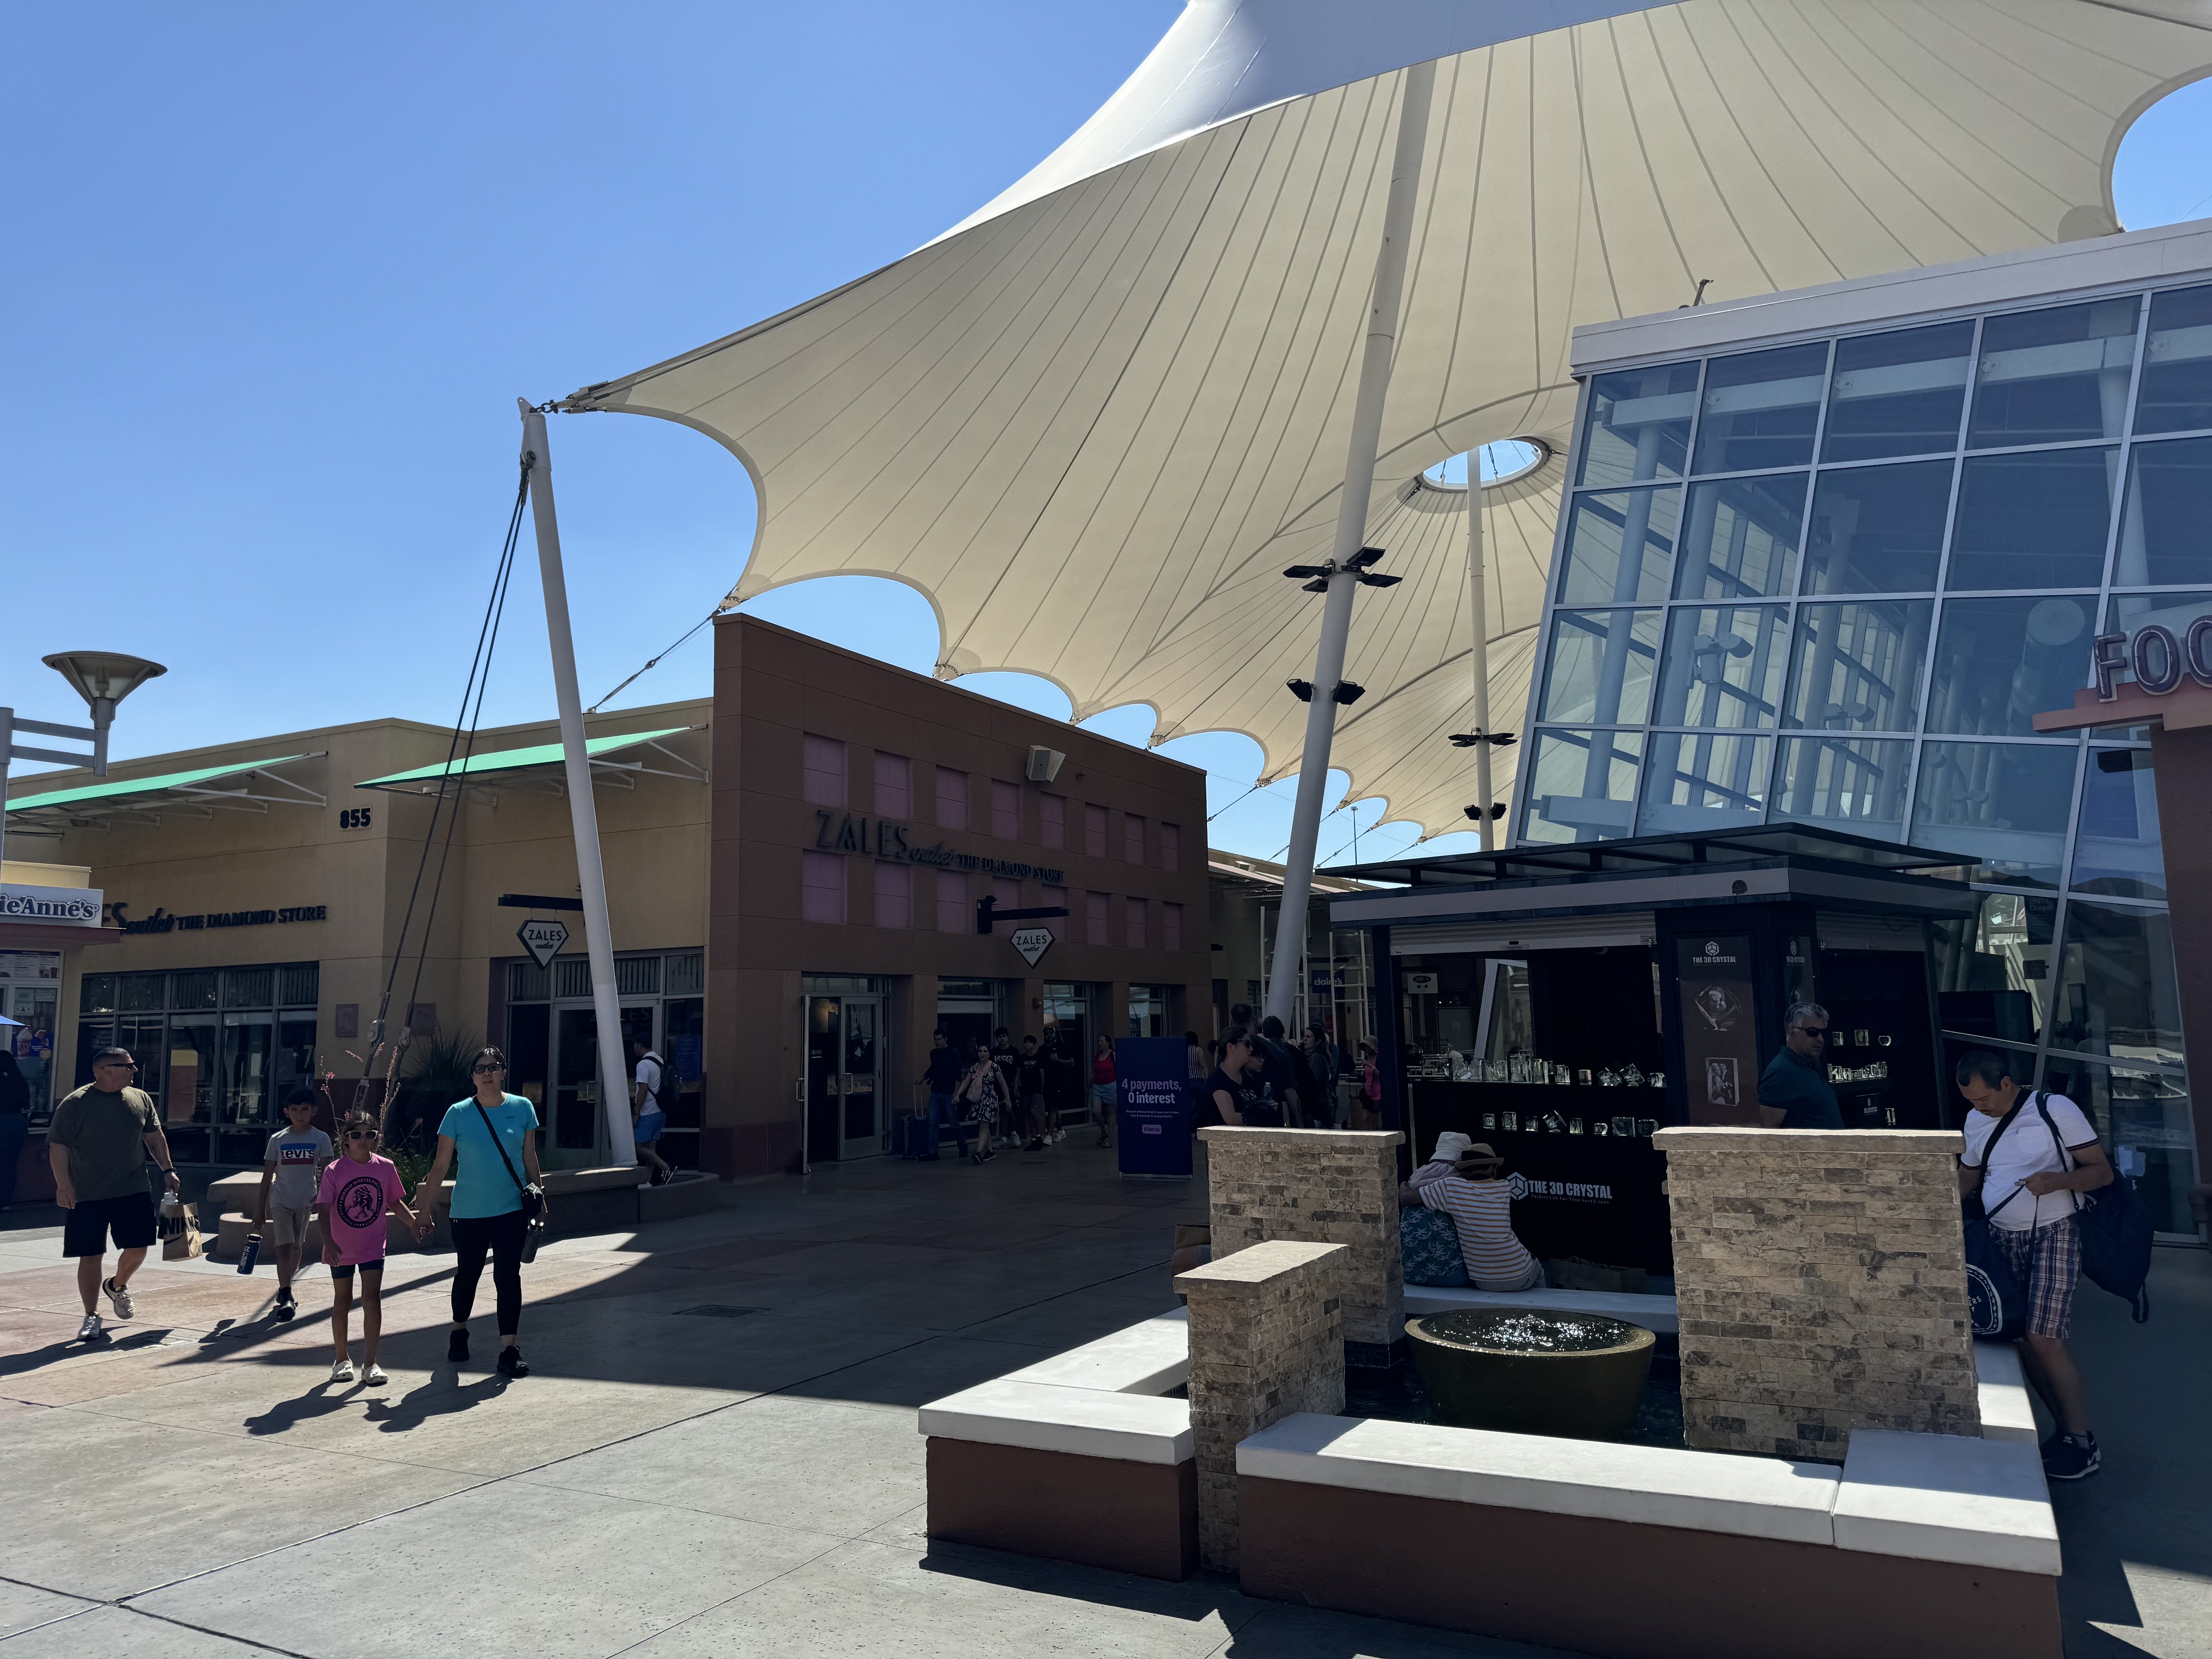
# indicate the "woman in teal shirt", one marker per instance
pixel 486 1211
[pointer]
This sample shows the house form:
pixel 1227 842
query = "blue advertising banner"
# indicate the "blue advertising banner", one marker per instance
pixel 1152 1094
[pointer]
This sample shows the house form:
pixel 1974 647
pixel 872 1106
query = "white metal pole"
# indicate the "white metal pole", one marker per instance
pixel 583 812
pixel 1481 608
pixel 1351 529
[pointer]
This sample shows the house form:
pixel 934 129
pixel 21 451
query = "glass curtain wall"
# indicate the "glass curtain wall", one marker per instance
pixel 1833 581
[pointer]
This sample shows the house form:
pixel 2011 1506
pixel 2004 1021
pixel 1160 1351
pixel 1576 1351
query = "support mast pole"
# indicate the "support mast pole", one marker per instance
pixel 1351 529
pixel 1481 608
pixel 583 810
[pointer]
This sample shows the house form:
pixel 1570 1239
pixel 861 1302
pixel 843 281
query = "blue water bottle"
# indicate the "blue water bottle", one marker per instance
pixel 251 1254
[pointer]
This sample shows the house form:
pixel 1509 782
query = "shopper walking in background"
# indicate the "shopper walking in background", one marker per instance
pixel 1320 1066
pixel 1195 1056
pixel 100 1140
pixel 15 1123
pixel 291 1172
pixel 941 1073
pixel 650 1087
pixel 359 1189
pixel 1102 1091
pixel 982 1093
pixel 495 1135
pixel 1370 1106
pixel 1028 1088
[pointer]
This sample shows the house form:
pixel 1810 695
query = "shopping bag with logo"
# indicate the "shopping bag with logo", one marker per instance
pixel 178 1227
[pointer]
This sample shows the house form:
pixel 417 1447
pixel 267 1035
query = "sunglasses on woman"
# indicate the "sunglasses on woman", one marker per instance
pixel 487 1071
pixel 361 1134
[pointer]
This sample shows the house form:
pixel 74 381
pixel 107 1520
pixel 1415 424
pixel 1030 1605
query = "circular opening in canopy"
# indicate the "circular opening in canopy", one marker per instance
pixel 1501 462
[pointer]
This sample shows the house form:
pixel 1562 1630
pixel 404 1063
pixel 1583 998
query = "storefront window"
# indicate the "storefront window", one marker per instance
pixel 1639 425
pixel 2142 1119
pixel 1993 968
pixel 2162 541
pixel 1858 666
pixel 2004 804
pixel 1878 529
pixel 1740 540
pixel 1759 409
pixel 1853 784
pixel 30 995
pixel 1899 394
pixel 2115 992
pixel 1582 781
pixel 1704 781
pixel 2115 851
pixel 1724 665
pixel 2000 662
pixel 2176 371
pixel 1602 664
pixel 2048 377
pixel 1621 545
pixel 2034 521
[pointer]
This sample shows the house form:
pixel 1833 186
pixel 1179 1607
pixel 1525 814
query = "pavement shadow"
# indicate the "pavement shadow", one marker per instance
pixel 323 1399
pixel 443 1395
pixel 15 1365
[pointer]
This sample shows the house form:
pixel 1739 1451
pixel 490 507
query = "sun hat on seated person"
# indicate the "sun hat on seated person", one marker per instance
pixel 1451 1146
pixel 1477 1152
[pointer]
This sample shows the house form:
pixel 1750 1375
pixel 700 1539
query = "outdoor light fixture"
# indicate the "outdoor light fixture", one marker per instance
pixel 1348 693
pixel 1476 812
pixel 1469 740
pixel 1315 576
pixel 1302 689
pixel 102 678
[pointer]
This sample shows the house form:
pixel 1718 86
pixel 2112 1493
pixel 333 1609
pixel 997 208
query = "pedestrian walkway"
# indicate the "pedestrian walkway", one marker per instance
pixel 716 1453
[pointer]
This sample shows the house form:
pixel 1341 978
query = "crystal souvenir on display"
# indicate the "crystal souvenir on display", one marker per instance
pixel 1599 1127
pixel 1647 1126
pixel 1656 1080
pixel 1882 1042
pixel 1574 1126
pixel 1860 1037
pixel 1553 1123
pixel 1608 1079
pixel 1582 1076
pixel 1490 1120
pixel 1494 1070
pixel 1517 1068
pixel 1630 1077
pixel 1512 1120
pixel 1624 1126
pixel 1563 1075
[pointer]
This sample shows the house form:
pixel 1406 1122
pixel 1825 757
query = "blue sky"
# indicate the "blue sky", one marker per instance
pixel 275 275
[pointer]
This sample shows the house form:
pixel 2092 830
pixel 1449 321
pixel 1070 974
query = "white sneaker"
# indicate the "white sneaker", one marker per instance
pixel 120 1296
pixel 90 1330
pixel 342 1372
pixel 372 1374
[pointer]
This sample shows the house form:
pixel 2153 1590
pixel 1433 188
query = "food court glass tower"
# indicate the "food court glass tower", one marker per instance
pixel 1830 576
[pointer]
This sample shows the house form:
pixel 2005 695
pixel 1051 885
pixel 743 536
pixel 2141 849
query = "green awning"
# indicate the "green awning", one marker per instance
pixel 112 791
pixel 537 756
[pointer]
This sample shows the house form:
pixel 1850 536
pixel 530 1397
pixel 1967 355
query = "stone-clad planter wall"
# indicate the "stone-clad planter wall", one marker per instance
pixel 1267 1340
pixel 1821 1283
pixel 1321 1187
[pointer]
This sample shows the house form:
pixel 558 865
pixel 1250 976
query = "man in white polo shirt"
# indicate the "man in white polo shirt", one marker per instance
pixel 2028 1157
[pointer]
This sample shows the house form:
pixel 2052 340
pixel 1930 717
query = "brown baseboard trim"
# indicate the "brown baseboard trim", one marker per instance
pixel 1625 1590
pixel 1098 1511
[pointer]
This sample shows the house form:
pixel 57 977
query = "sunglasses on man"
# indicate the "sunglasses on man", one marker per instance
pixel 1817 1033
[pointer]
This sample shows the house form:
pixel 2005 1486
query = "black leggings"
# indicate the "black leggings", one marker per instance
pixel 500 1235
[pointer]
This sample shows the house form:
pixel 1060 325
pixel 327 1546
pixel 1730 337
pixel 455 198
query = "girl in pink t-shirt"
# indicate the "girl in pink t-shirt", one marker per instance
pixel 357 1188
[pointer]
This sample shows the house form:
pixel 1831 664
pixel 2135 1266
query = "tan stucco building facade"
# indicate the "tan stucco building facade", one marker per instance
pixel 792 866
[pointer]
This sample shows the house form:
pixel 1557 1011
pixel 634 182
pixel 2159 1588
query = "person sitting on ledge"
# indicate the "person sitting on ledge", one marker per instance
pixel 1794 1090
pixel 1474 1194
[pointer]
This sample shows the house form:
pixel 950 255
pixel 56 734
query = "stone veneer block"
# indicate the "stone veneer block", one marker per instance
pixel 1319 1187
pixel 1267 1340
pixel 1821 1287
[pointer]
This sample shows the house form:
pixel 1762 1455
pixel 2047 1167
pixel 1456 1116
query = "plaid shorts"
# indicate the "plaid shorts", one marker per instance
pixel 2045 1262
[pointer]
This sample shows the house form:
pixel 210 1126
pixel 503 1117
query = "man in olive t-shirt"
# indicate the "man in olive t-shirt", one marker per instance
pixel 99 1140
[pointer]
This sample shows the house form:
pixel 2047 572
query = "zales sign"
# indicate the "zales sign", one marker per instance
pixel 886 838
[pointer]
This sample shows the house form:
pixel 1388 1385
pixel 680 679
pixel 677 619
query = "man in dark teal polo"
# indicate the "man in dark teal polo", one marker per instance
pixel 1793 1091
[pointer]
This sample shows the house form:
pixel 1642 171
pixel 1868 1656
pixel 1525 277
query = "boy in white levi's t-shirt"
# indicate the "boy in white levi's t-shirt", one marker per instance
pixel 2030 1156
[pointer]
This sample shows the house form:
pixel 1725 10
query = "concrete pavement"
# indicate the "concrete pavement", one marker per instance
pixel 716 1453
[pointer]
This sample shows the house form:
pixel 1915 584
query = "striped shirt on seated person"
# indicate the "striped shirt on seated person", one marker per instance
pixel 1470 1187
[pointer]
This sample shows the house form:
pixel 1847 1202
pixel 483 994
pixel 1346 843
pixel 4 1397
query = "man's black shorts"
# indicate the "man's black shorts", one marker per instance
pixel 128 1216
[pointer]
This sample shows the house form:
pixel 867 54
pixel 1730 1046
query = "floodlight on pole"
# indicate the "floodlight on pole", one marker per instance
pixel 103 679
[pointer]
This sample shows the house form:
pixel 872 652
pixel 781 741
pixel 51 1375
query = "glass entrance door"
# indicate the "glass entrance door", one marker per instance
pixel 576 1135
pixel 846 1091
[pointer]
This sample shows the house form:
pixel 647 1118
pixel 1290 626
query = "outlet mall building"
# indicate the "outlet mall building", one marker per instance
pixel 794 869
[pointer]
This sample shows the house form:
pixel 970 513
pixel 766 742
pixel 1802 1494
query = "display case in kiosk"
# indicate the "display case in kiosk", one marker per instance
pixel 1565 1002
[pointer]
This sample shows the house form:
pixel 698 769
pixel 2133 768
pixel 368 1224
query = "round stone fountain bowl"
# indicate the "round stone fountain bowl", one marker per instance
pixel 1532 1371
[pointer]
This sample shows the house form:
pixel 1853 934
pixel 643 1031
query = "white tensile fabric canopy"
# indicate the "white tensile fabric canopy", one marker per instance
pixel 1094 422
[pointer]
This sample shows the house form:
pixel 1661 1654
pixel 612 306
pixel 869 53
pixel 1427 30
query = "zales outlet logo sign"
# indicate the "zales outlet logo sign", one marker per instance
pixel 886 838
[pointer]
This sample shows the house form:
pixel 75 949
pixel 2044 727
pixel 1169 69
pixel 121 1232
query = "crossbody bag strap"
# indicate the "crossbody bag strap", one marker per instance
pixel 501 1150
pixel 1988 1151
pixel 2065 1158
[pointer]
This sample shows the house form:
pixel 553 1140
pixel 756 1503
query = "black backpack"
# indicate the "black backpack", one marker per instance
pixel 2115 1229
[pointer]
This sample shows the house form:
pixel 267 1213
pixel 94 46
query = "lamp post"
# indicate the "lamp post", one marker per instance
pixel 102 678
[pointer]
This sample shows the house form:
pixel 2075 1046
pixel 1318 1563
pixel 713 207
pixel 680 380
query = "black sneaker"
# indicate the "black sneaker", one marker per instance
pixel 457 1347
pixel 286 1307
pixel 2070 1457
pixel 512 1364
